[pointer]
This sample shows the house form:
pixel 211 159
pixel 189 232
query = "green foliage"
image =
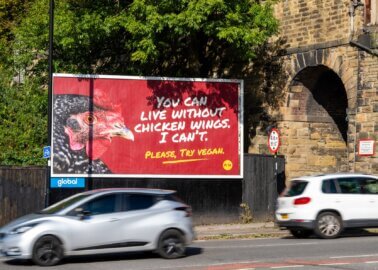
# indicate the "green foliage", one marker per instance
pixel 23 124
pixel 10 16
pixel 23 108
pixel 186 38
pixel 145 37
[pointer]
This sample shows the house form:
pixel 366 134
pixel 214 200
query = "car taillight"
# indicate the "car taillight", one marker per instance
pixel 302 200
pixel 187 209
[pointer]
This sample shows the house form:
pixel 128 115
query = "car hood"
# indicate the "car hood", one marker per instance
pixel 31 218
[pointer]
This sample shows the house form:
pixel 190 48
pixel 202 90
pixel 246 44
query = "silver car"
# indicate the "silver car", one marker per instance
pixel 101 221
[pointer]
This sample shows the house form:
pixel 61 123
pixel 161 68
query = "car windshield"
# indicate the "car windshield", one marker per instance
pixel 296 188
pixel 55 208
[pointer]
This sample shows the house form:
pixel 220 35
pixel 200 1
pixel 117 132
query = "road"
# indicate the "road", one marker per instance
pixel 358 252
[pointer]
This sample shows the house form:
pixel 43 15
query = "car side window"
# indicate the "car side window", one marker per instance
pixel 133 202
pixel 295 188
pixel 103 205
pixel 369 185
pixel 358 185
pixel 349 185
pixel 329 187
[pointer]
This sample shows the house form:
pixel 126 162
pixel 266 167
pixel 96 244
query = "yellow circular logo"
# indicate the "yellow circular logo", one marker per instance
pixel 227 165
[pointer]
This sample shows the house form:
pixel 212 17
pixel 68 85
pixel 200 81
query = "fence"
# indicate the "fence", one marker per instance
pixel 22 190
pixel 264 179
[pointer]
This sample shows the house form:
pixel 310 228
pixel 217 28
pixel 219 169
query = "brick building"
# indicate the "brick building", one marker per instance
pixel 331 94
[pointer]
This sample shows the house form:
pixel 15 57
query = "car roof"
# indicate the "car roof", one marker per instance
pixel 318 177
pixel 151 191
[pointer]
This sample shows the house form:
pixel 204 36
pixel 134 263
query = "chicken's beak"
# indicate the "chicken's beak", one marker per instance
pixel 120 130
pixel 127 134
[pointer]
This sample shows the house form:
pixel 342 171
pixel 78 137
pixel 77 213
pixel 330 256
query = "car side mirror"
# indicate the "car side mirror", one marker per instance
pixel 81 213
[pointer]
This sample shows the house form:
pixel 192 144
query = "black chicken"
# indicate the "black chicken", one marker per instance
pixel 83 131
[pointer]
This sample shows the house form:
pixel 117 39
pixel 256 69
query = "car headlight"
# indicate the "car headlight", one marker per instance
pixel 22 229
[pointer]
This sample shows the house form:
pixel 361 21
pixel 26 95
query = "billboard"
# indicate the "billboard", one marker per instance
pixel 123 126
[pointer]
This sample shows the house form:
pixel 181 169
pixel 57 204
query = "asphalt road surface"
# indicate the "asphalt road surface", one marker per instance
pixel 352 252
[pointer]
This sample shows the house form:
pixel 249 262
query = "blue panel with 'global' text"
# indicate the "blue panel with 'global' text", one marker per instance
pixel 67 182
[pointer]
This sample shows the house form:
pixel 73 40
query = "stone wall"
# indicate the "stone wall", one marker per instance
pixel 366 118
pixel 331 92
pixel 309 22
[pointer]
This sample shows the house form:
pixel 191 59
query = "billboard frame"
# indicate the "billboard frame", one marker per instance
pixel 240 115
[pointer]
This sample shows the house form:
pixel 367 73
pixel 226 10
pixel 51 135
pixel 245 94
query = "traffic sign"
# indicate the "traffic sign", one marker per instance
pixel 46 152
pixel 274 140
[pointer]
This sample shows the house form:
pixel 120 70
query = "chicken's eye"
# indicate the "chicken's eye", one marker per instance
pixel 90 119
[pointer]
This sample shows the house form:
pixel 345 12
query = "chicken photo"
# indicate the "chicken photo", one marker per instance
pixel 83 131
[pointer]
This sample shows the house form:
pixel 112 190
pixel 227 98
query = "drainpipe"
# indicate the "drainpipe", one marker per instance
pixel 355 113
pixel 354 4
pixel 352 13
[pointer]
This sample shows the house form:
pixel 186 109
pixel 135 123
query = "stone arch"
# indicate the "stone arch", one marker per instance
pixel 326 99
pixel 332 58
pixel 314 121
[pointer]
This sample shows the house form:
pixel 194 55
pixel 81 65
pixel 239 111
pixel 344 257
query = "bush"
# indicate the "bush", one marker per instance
pixel 246 214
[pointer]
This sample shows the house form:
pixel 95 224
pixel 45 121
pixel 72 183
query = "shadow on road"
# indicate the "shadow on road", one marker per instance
pixel 190 251
pixel 358 232
pixel 346 233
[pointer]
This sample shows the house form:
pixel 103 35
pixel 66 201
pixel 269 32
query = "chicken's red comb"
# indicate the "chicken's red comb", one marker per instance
pixel 101 99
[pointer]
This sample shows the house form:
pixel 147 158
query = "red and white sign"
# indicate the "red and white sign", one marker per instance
pixel 274 140
pixel 122 126
pixel 366 147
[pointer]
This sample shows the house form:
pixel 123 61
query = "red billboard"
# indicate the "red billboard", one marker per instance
pixel 123 126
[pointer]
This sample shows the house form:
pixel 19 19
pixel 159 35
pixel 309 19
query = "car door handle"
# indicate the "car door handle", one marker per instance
pixel 113 219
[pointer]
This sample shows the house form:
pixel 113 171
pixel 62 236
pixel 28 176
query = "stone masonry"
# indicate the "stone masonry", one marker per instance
pixel 331 93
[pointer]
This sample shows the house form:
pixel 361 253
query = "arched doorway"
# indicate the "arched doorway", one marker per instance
pixel 315 119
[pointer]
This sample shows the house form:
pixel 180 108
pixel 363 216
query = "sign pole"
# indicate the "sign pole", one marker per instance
pixel 274 143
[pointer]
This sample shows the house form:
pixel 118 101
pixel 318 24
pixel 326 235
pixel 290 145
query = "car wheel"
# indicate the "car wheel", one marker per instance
pixel 171 244
pixel 300 233
pixel 328 225
pixel 47 251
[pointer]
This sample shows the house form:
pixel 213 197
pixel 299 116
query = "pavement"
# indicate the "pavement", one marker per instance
pixel 258 230
pixel 238 231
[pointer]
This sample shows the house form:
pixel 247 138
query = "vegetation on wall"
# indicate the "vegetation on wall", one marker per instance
pixel 187 38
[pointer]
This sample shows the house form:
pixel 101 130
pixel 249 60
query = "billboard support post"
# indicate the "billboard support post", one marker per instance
pixel 49 110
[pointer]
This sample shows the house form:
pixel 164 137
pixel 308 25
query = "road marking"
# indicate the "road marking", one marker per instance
pixel 287 266
pixel 328 264
pixel 189 266
pixel 372 262
pixel 259 246
pixel 354 256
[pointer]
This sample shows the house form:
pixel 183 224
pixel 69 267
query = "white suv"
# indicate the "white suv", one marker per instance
pixel 326 204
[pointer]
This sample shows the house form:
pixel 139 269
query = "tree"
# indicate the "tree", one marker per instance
pixel 23 124
pixel 186 38
pixel 10 16
pixel 22 107
pixel 146 37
